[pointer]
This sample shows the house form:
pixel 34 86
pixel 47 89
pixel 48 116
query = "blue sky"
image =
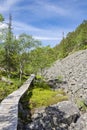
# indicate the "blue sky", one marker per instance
pixel 45 20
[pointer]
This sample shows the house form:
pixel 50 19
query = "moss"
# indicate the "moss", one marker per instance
pixel 41 95
pixel 45 97
pixel 60 78
pixel 38 77
pixel 41 84
pixel 81 105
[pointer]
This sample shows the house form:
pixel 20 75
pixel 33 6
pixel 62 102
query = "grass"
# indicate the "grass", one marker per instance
pixel 42 95
pixel 45 97
pixel 60 78
pixel 81 105
pixel 39 95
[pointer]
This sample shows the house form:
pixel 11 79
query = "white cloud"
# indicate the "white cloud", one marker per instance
pixel 43 9
pixel 3 25
pixel 55 9
pixel 47 38
pixel 5 5
pixel 22 27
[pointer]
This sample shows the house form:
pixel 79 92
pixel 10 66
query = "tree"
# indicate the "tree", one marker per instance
pixel 26 44
pixel 9 48
pixel 41 58
pixel 10 45
pixel 1 39
pixel 1 18
pixel 1 29
pixel 15 51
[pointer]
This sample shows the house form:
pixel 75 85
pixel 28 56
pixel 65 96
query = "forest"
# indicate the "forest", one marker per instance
pixel 20 56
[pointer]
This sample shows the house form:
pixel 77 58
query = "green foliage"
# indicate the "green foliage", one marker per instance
pixel 27 43
pixel 41 95
pixel 10 59
pixel 74 41
pixel 41 58
pixel 41 84
pixel 1 18
pixel 39 77
pixel 14 74
pixel 6 89
pixel 14 53
pixel 60 78
pixel 81 105
pixel 45 97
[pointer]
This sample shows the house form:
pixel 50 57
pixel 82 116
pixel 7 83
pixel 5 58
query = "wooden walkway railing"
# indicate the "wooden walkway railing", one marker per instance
pixel 9 107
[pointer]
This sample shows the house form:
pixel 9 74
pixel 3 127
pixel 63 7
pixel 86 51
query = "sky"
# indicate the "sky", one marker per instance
pixel 45 20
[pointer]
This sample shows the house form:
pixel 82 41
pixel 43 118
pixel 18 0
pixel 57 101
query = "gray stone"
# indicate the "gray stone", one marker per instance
pixel 70 110
pixel 85 101
pixel 6 80
pixel 81 123
pixel 56 117
pixel 73 70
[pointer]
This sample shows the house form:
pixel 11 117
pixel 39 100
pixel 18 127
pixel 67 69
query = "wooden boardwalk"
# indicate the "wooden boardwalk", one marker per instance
pixel 9 107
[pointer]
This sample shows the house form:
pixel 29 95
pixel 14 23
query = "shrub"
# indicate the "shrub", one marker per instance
pixel 81 105
pixel 60 78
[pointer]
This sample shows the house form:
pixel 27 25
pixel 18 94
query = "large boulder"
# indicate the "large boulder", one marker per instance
pixel 8 81
pixel 85 101
pixel 55 117
pixel 81 124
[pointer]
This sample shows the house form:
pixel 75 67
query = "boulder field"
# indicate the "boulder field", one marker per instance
pixel 73 72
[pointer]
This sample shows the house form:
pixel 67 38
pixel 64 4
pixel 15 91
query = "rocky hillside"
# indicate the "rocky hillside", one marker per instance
pixel 73 71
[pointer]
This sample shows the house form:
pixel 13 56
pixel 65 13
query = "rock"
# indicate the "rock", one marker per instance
pixel 57 84
pixel 70 110
pixel 81 123
pixel 54 84
pixel 55 117
pixel 24 116
pixel 38 112
pixel 2 69
pixel 20 125
pixel 6 80
pixel 85 101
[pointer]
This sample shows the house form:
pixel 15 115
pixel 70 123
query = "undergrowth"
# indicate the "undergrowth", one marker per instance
pixel 45 97
pixel 6 88
pixel 42 95
pixel 81 105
